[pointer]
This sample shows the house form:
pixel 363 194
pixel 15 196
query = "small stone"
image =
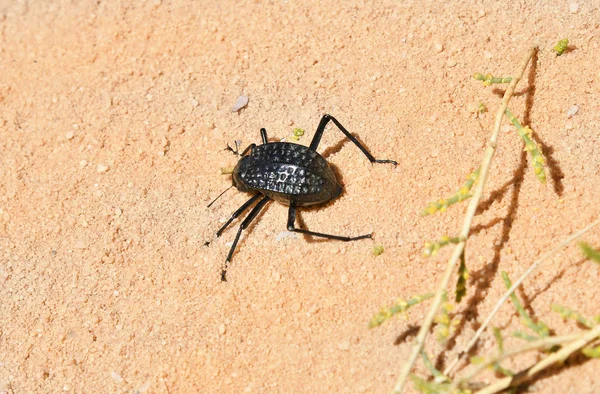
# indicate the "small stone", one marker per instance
pixel 435 152
pixel 451 62
pixel 118 211
pixel 438 47
pixel 69 135
pixel 573 8
pixel 572 111
pixel 194 103
pixel 222 329
pixel 101 168
pixel 83 163
pixel 149 97
pixel 116 377
pixel 241 102
pixel 344 279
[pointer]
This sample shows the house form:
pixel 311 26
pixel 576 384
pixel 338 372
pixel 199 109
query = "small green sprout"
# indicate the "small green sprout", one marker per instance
pixel 561 46
pixel 488 79
pixel 530 146
pixel 297 134
pixel 446 326
pixel 400 306
pixel 591 352
pixel 568 313
pixel 589 252
pixel 462 194
pixel 432 248
pixel 377 250
pixel 463 276
pixel 539 328
pixel 481 108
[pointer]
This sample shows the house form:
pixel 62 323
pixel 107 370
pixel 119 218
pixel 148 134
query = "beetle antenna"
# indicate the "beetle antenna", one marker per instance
pixel 213 201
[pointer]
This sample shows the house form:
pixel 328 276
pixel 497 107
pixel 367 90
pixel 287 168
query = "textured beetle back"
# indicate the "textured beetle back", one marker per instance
pixel 287 153
pixel 286 172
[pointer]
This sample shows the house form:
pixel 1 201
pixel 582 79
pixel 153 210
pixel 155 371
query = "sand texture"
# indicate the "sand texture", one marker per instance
pixel 114 116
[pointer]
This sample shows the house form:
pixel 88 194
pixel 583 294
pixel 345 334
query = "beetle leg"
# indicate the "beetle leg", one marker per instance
pixel 238 212
pixel 236 150
pixel 321 128
pixel 263 135
pixel 292 220
pixel 251 216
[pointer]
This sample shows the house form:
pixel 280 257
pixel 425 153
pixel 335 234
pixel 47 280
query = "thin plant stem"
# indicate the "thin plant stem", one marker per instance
pixel 550 360
pixel 466 228
pixel 502 300
pixel 534 345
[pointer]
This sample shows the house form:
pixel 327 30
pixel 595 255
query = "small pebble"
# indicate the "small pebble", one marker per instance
pixel 116 377
pixel 240 103
pixel 572 111
pixel 195 103
pixel 573 8
pixel 451 62
pixel 222 329
pixel 438 47
pixel 69 135
pixel 101 168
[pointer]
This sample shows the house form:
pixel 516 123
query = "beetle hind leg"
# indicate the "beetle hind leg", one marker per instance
pixel 291 227
pixel 321 129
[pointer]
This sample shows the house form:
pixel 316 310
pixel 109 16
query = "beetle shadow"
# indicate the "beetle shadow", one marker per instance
pixel 331 150
pixel 301 224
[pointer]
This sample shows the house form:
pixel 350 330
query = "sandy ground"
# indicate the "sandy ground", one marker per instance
pixel 113 120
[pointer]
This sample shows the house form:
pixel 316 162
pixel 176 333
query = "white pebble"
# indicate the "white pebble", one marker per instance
pixel 116 377
pixel 572 111
pixel 573 8
pixel 69 135
pixel 240 103
pixel 101 168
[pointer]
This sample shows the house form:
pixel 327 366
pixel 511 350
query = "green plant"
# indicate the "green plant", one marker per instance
pixel 440 311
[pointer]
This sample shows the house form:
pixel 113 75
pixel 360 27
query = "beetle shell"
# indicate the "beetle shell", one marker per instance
pixel 287 173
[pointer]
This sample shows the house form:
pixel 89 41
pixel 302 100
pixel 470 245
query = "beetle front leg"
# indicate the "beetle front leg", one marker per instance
pixel 251 216
pixel 291 227
pixel 319 133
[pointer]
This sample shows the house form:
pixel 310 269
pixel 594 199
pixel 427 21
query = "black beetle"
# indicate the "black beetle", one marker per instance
pixel 291 174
